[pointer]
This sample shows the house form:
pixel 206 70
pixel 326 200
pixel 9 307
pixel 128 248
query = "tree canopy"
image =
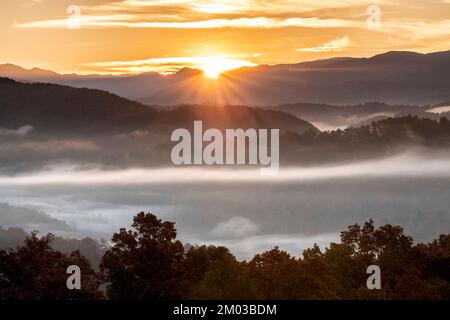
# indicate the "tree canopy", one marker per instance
pixel 148 262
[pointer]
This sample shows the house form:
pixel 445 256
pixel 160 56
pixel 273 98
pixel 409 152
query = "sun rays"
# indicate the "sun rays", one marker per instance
pixel 213 67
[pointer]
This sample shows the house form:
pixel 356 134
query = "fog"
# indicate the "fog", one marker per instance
pixel 441 109
pixel 404 165
pixel 238 208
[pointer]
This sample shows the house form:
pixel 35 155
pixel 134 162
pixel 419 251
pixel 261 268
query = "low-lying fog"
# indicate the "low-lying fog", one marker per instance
pixel 241 209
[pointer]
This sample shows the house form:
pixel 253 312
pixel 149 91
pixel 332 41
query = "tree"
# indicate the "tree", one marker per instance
pixel 276 274
pixel 35 271
pixel 148 262
pixel 143 264
pixel 433 262
pixel 212 273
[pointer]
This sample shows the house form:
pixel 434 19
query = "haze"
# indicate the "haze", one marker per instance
pixel 240 209
pixel 164 36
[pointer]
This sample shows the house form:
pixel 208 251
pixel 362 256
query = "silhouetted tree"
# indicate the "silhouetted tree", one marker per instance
pixel 143 263
pixel 149 263
pixel 212 273
pixel 35 271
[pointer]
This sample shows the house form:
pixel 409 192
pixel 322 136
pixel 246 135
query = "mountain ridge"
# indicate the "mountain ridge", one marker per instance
pixel 394 77
pixel 58 108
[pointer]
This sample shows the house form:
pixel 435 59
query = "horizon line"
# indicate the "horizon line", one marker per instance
pixel 130 74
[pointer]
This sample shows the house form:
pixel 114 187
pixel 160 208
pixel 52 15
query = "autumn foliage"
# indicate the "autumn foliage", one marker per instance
pixel 35 271
pixel 148 262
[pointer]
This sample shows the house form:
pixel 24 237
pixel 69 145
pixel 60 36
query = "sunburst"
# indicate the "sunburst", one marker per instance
pixel 213 67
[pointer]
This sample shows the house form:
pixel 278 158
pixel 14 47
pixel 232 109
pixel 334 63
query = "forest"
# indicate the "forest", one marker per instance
pixel 147 262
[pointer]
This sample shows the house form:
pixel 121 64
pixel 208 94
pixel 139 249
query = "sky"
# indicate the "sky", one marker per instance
pixel 134 36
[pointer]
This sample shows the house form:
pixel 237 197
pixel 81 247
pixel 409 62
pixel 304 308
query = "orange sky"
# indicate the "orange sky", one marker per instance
pixel 135 36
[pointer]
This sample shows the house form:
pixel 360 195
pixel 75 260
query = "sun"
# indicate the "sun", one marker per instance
pixel 213 67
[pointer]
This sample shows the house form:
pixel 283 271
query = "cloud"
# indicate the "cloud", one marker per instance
pixel 235 227
pixel 22 131
pixel 332 46
pixel 245 247
pixel 262 14
pixel 130 21
pixel 58 146
pixel 30 220
pixel 171 8
pixel 167 65
pixel 417 29
pixel 404 165
pixel 31 3
pixel 204 14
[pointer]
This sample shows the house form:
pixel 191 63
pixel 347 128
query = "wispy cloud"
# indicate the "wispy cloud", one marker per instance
pixel 31 3
pixel 168 65
pixel 212 14
pixel 262 14
pixel 332 46
pixel 405 25
pixel 22 131
pixel 417 30
pixel 200 14
pixel 131 21
pixel 405 165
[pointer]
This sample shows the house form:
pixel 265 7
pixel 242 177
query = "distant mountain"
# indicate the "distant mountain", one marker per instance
pixel 12 71
pixel 393 77
pixel 42 125
pixel 127 86
pixel 329 117
pixel 228 117
pixel 46 124
pixel 377 139
pixel 66 110
pixel 49 108
pixel 396 77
